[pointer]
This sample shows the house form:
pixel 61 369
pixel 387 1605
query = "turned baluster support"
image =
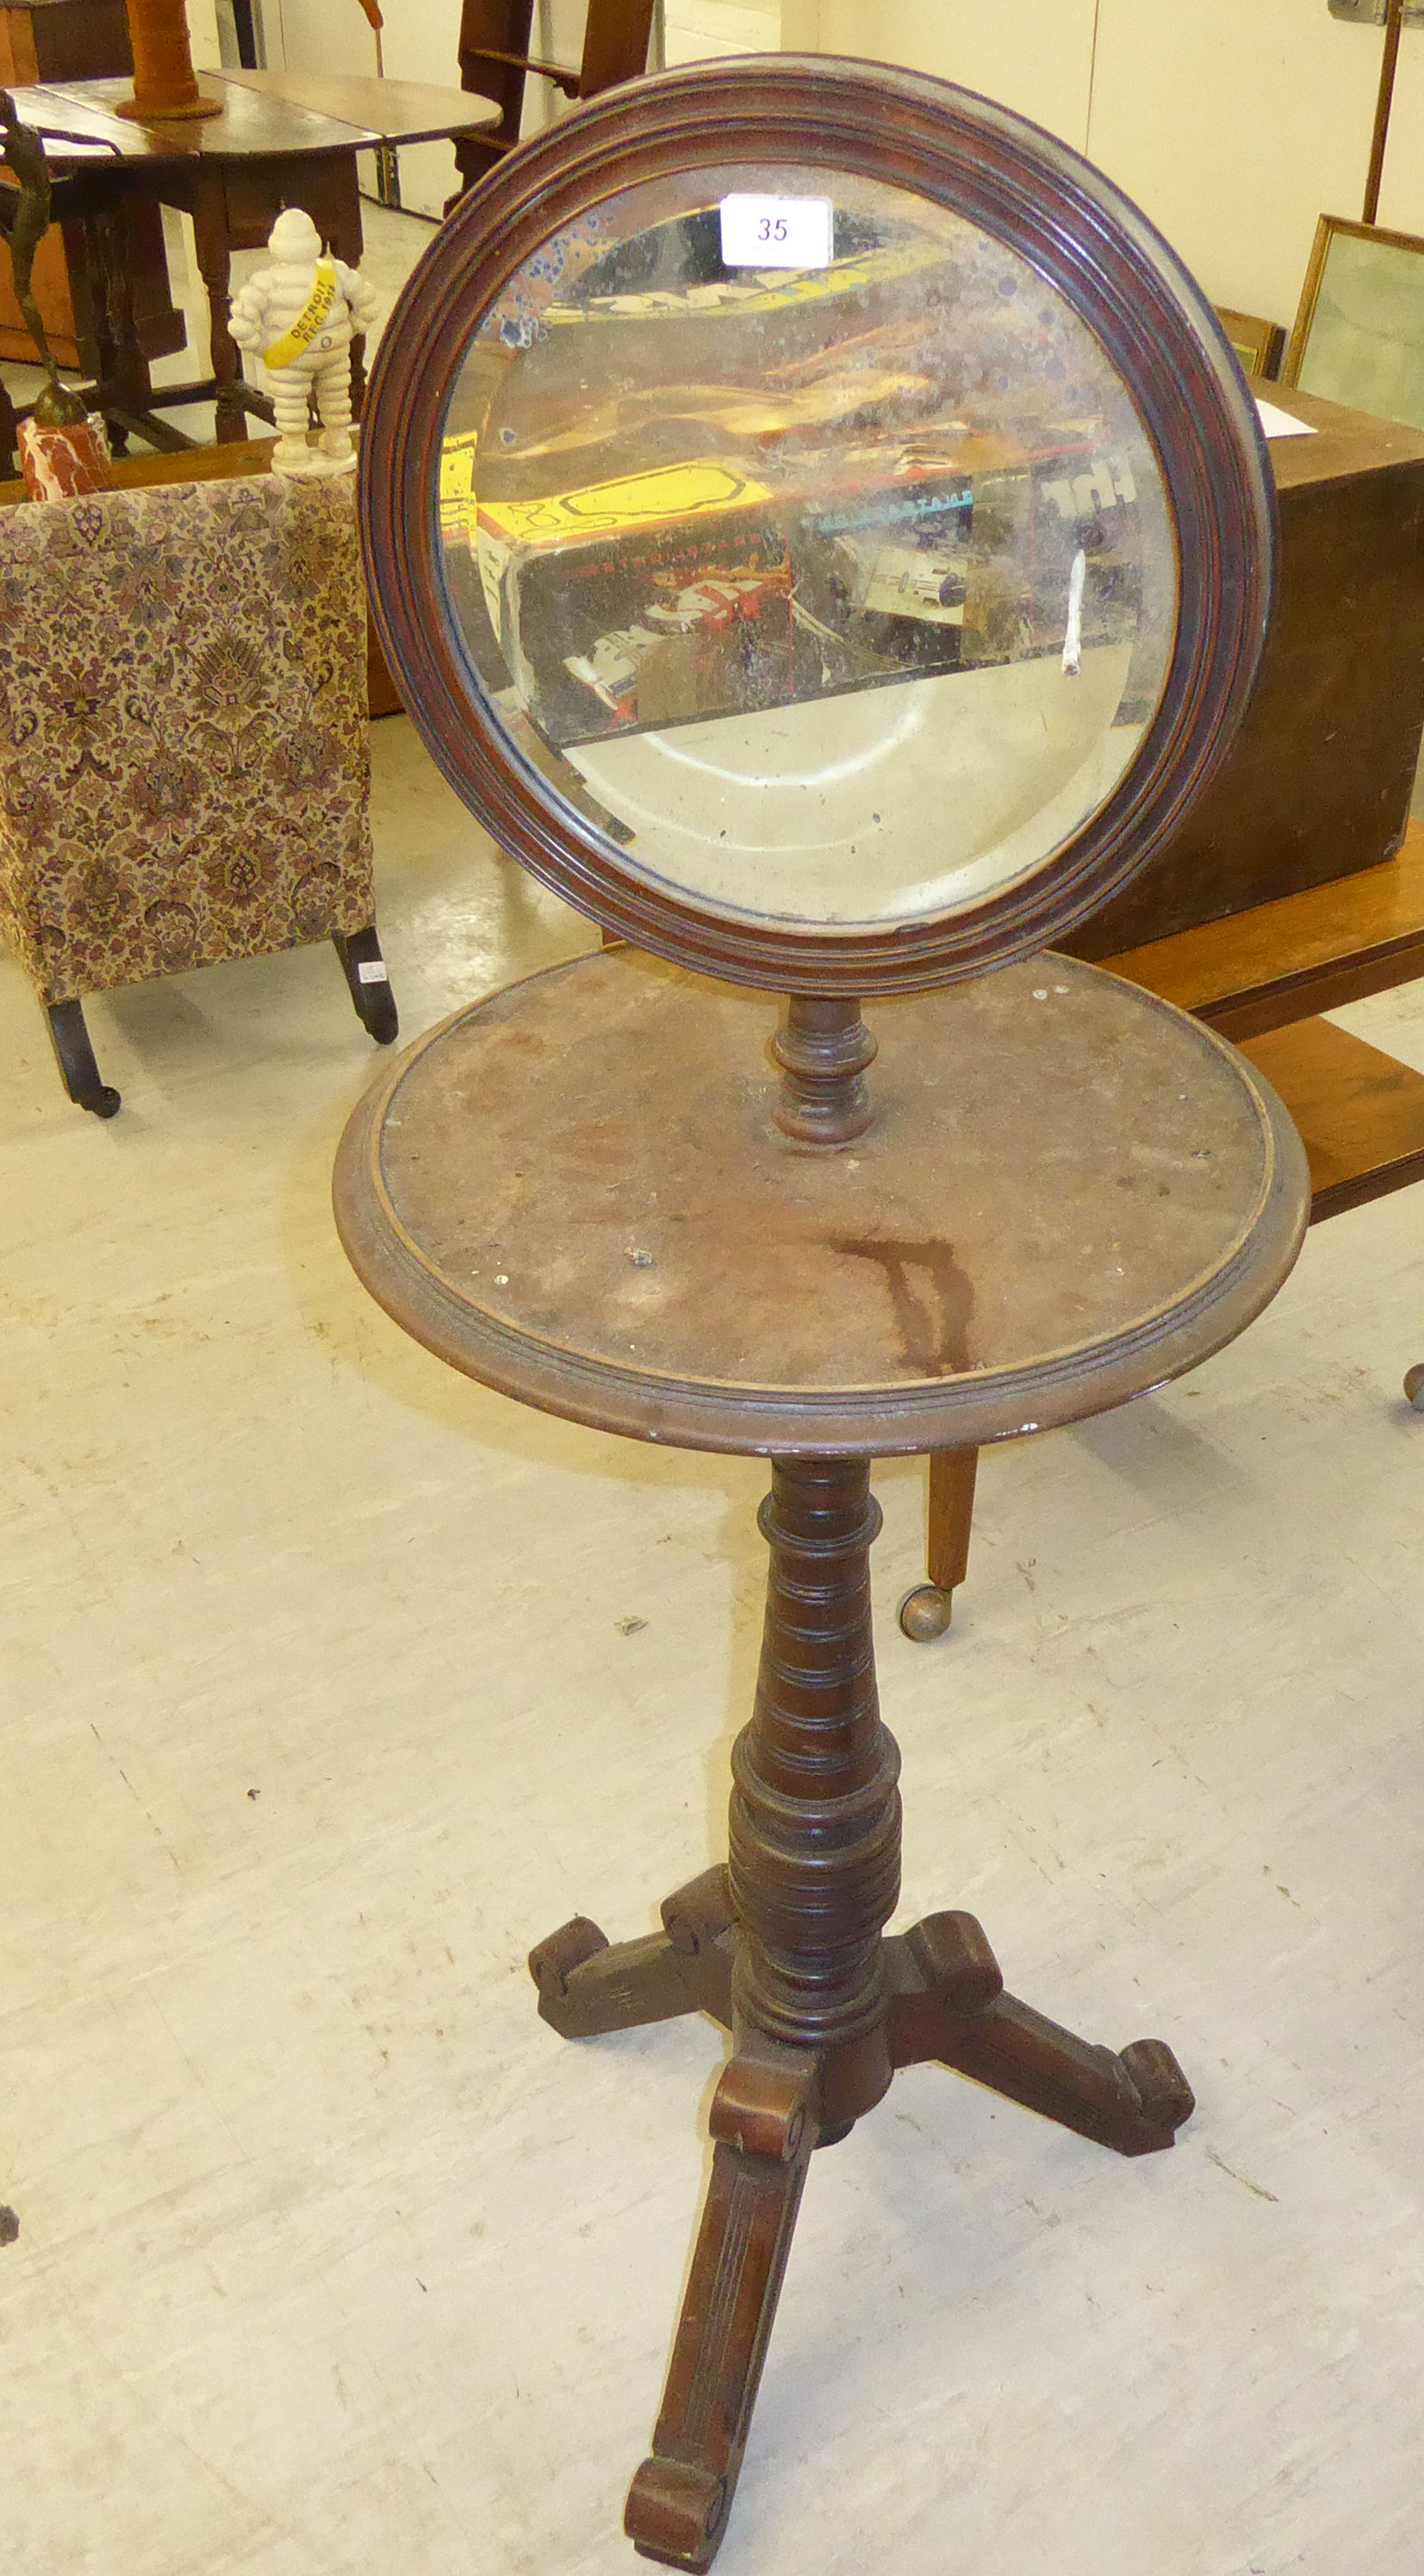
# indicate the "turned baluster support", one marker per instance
pixel 814 1867
pixel 165 84
pixel 823 1048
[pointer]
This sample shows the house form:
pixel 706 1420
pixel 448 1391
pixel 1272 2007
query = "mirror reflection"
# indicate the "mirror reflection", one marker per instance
pixel 804 539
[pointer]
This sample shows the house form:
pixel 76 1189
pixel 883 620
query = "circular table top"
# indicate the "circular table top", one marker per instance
pixel 574 1190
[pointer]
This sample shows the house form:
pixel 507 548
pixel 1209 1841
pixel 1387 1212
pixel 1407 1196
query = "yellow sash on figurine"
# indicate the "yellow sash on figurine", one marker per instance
pixel 315 313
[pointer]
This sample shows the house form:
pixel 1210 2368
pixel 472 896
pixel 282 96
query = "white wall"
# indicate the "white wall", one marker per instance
pixel 1234 128
pixel 1033 55
pixel 697 31
pixel 1234 123
pixel 203 35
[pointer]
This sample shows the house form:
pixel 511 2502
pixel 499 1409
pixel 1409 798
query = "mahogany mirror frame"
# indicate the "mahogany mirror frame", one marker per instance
pixel 1082 236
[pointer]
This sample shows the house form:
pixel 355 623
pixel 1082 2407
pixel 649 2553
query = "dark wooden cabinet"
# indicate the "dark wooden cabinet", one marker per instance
pixel 55 40
pixel 1319 781
pixel 63 40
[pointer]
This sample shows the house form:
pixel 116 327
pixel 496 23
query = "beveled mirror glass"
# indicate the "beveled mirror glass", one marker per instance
pixel 816 524
pixel 807 541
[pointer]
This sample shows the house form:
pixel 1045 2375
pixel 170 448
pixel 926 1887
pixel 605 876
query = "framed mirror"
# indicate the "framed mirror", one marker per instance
pixel 1359 332
pixel 815 523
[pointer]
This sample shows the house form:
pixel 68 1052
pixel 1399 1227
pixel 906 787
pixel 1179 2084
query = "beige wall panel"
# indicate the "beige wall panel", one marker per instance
pixel 1033 55
pixel 1402 196
pixel 1235 126
pixel 203 35
pixel 1234 123
pixel 698 31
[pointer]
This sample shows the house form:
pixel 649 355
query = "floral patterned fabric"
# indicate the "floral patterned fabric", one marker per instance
pixel 183 748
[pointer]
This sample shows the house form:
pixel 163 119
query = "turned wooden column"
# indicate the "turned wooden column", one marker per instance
pixel 815 1815
pixel 823 1048
pixel 165 83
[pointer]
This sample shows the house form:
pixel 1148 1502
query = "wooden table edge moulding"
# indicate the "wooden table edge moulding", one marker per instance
pixel 622 1192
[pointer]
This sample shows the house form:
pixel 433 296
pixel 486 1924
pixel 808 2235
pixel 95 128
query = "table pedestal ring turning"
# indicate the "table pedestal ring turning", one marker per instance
pixel 566 1191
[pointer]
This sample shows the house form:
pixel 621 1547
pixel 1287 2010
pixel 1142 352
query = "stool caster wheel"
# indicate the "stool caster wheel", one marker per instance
pixel 926 1613
pixel 1414 1388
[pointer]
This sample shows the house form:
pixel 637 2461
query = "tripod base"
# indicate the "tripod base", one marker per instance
pixel 943 2000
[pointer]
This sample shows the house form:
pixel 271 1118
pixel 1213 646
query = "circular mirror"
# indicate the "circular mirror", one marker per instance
pixel 832 565
pixel 843 593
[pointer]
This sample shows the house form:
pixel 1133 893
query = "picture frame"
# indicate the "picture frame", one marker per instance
pixel 1258 344
pixel 1358 337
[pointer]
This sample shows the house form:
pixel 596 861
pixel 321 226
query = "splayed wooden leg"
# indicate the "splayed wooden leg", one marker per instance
pixel 764 2130
pixel 948 2005
pixel 587 1985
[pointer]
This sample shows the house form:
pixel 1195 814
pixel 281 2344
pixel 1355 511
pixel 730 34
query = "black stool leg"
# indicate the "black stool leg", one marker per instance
pixel 371 992
pixel 75 1055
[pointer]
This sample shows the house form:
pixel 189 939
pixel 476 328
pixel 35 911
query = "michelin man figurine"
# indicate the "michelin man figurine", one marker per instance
pixel 301 316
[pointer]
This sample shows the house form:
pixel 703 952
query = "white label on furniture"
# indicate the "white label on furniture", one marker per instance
pixel 776 232
pixel 372 970
pixel 1282 424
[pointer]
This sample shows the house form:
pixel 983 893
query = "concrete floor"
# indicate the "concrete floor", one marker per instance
pixel 332 1681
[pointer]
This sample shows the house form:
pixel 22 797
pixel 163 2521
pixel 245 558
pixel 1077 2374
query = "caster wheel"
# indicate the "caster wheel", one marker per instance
pixel 925 1613
pixel 1414 1388
pixel 552 1962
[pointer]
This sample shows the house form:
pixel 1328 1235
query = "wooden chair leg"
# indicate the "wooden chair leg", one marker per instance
pixel 926 1611
pixel 368 982
pixel 679 2501
pixel 75 1055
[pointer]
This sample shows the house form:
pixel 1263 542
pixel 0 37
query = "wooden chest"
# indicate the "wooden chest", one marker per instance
pixel 1319 781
